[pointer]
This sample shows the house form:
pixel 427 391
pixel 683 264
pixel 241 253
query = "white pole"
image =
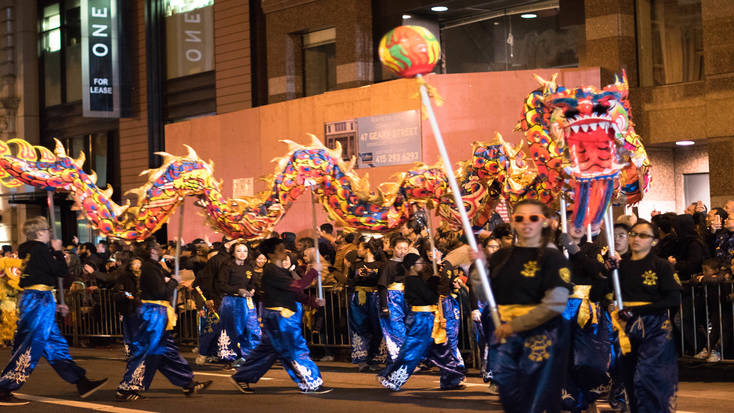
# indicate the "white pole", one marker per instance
pixel 174 299
pixel 316 237
pixel 564 220
pixel 52 229
pixel 609 229
pixel 481 268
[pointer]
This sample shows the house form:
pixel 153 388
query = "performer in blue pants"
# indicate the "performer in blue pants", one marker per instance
pixel 392 299
pixel 152 347
pixel 127 298
pixel 364 320
pixel 650 287
pixel 283 336
pixel 425 336
pixel 587 378
pixel 38 334
pixel 531 284
pixel 238 331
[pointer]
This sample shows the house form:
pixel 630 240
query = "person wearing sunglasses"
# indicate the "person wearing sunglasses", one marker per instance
pixel 650 287
pixel 38 334
pixel 530 282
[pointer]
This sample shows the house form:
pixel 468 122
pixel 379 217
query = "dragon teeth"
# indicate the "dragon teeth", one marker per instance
pixel 575 128
pixel 604 125
pixel 584 128
pixel 593 126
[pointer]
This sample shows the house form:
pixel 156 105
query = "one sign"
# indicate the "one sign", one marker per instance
pixel 100 59
pixel 391 139
pixel 243 187
pixel 190 42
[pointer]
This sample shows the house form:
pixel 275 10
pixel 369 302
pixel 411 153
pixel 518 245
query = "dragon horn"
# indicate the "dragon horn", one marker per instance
pixel 59 149
pixel 79 162
pixel 119 209
pixel 191 152
pixel 315 141
pixel 107 192
pixel 167 157
pixel 549 86
pixel 93 177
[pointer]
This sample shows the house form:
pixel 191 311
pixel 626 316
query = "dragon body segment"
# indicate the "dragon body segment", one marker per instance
pixel 595 162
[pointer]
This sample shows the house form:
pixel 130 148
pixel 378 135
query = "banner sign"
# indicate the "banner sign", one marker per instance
pixel 190 42
pixel 391 139
pixel 100 59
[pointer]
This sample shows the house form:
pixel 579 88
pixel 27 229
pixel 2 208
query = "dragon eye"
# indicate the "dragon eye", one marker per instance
pixel 601 108
pixel 570 112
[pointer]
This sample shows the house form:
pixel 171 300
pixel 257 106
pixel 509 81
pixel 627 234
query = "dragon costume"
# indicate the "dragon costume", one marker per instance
pixel 578 138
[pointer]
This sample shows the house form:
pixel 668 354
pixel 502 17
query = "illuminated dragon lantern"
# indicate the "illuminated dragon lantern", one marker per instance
pixel 578 137
pixel 584 137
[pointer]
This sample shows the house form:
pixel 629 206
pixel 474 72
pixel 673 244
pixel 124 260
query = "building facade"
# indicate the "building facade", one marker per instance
pixel 182 59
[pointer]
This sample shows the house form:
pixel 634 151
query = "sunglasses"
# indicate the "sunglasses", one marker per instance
pixel 641 235
pixel 520 218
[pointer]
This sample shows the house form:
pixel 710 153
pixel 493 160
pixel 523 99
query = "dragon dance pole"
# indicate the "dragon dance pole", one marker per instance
pixel 564 220
pixel 430 238
pixel 609 229
pixel 425 99
pixel 174 299
pixel 312 184
pixel 52 228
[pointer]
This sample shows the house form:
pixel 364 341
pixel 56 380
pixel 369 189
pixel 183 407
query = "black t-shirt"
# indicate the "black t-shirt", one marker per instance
pixel 522 279
pixel 233 277
pixel 419 292
pixel 43 266
pixel 153 285
pixel 276 283
pixel 366 274
pixel 392 272
pixel 651 279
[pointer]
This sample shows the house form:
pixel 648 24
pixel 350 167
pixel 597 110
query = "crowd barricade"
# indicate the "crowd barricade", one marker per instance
pixel 93 314
pixel 704 319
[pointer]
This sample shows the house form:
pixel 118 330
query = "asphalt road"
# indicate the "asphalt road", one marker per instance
pixel 353 392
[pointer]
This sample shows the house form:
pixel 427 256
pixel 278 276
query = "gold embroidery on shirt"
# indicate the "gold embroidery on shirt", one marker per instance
pixel 530 268
pixel 565 274
pixel 675 277
pixel 650 278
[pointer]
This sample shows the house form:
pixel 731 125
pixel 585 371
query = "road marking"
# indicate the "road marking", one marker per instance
pixel 199 373
pixel 82 405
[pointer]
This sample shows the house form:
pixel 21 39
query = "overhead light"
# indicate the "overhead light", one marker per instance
pixel 406 16
pixel 439 8
pixel 684 143
pixel 528 15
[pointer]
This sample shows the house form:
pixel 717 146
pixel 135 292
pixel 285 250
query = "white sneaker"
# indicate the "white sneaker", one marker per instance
pixel 200 360
pixel 704 354
pixel 714 357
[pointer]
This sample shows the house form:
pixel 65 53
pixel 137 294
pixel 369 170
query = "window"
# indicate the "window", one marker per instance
pixel 514 39
pixel 60 32
pixel 345 133
pixel 189 37
pixel 670 41
pixel 319 61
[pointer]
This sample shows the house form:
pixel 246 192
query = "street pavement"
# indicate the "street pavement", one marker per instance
pixel 353 392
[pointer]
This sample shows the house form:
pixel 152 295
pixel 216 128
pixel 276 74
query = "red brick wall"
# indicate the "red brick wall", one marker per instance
pixel 232 58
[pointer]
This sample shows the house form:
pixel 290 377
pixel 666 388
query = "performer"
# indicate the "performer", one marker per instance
pixel 10 271
pixel 281 321
pixel 587 378
pixel 392 301
pixel 424 328
pixel 531 284
pixel 364 320
pixel 127 298
pixel 649 287
pixel 445 354
pixel 152 347
pixel 238 328
pixel 38 334
pixel 208 318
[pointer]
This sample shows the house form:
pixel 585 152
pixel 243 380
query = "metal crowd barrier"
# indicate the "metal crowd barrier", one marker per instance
pixel 704 319
pixel 93 314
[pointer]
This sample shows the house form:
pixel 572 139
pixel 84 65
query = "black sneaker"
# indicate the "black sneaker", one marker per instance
pixel 87 387
pixel 196 387
pixel 241 386
pixel 318 390
pixel 127 396
pixel 7 399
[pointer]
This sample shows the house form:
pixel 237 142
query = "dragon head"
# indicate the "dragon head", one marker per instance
pixel 585 135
